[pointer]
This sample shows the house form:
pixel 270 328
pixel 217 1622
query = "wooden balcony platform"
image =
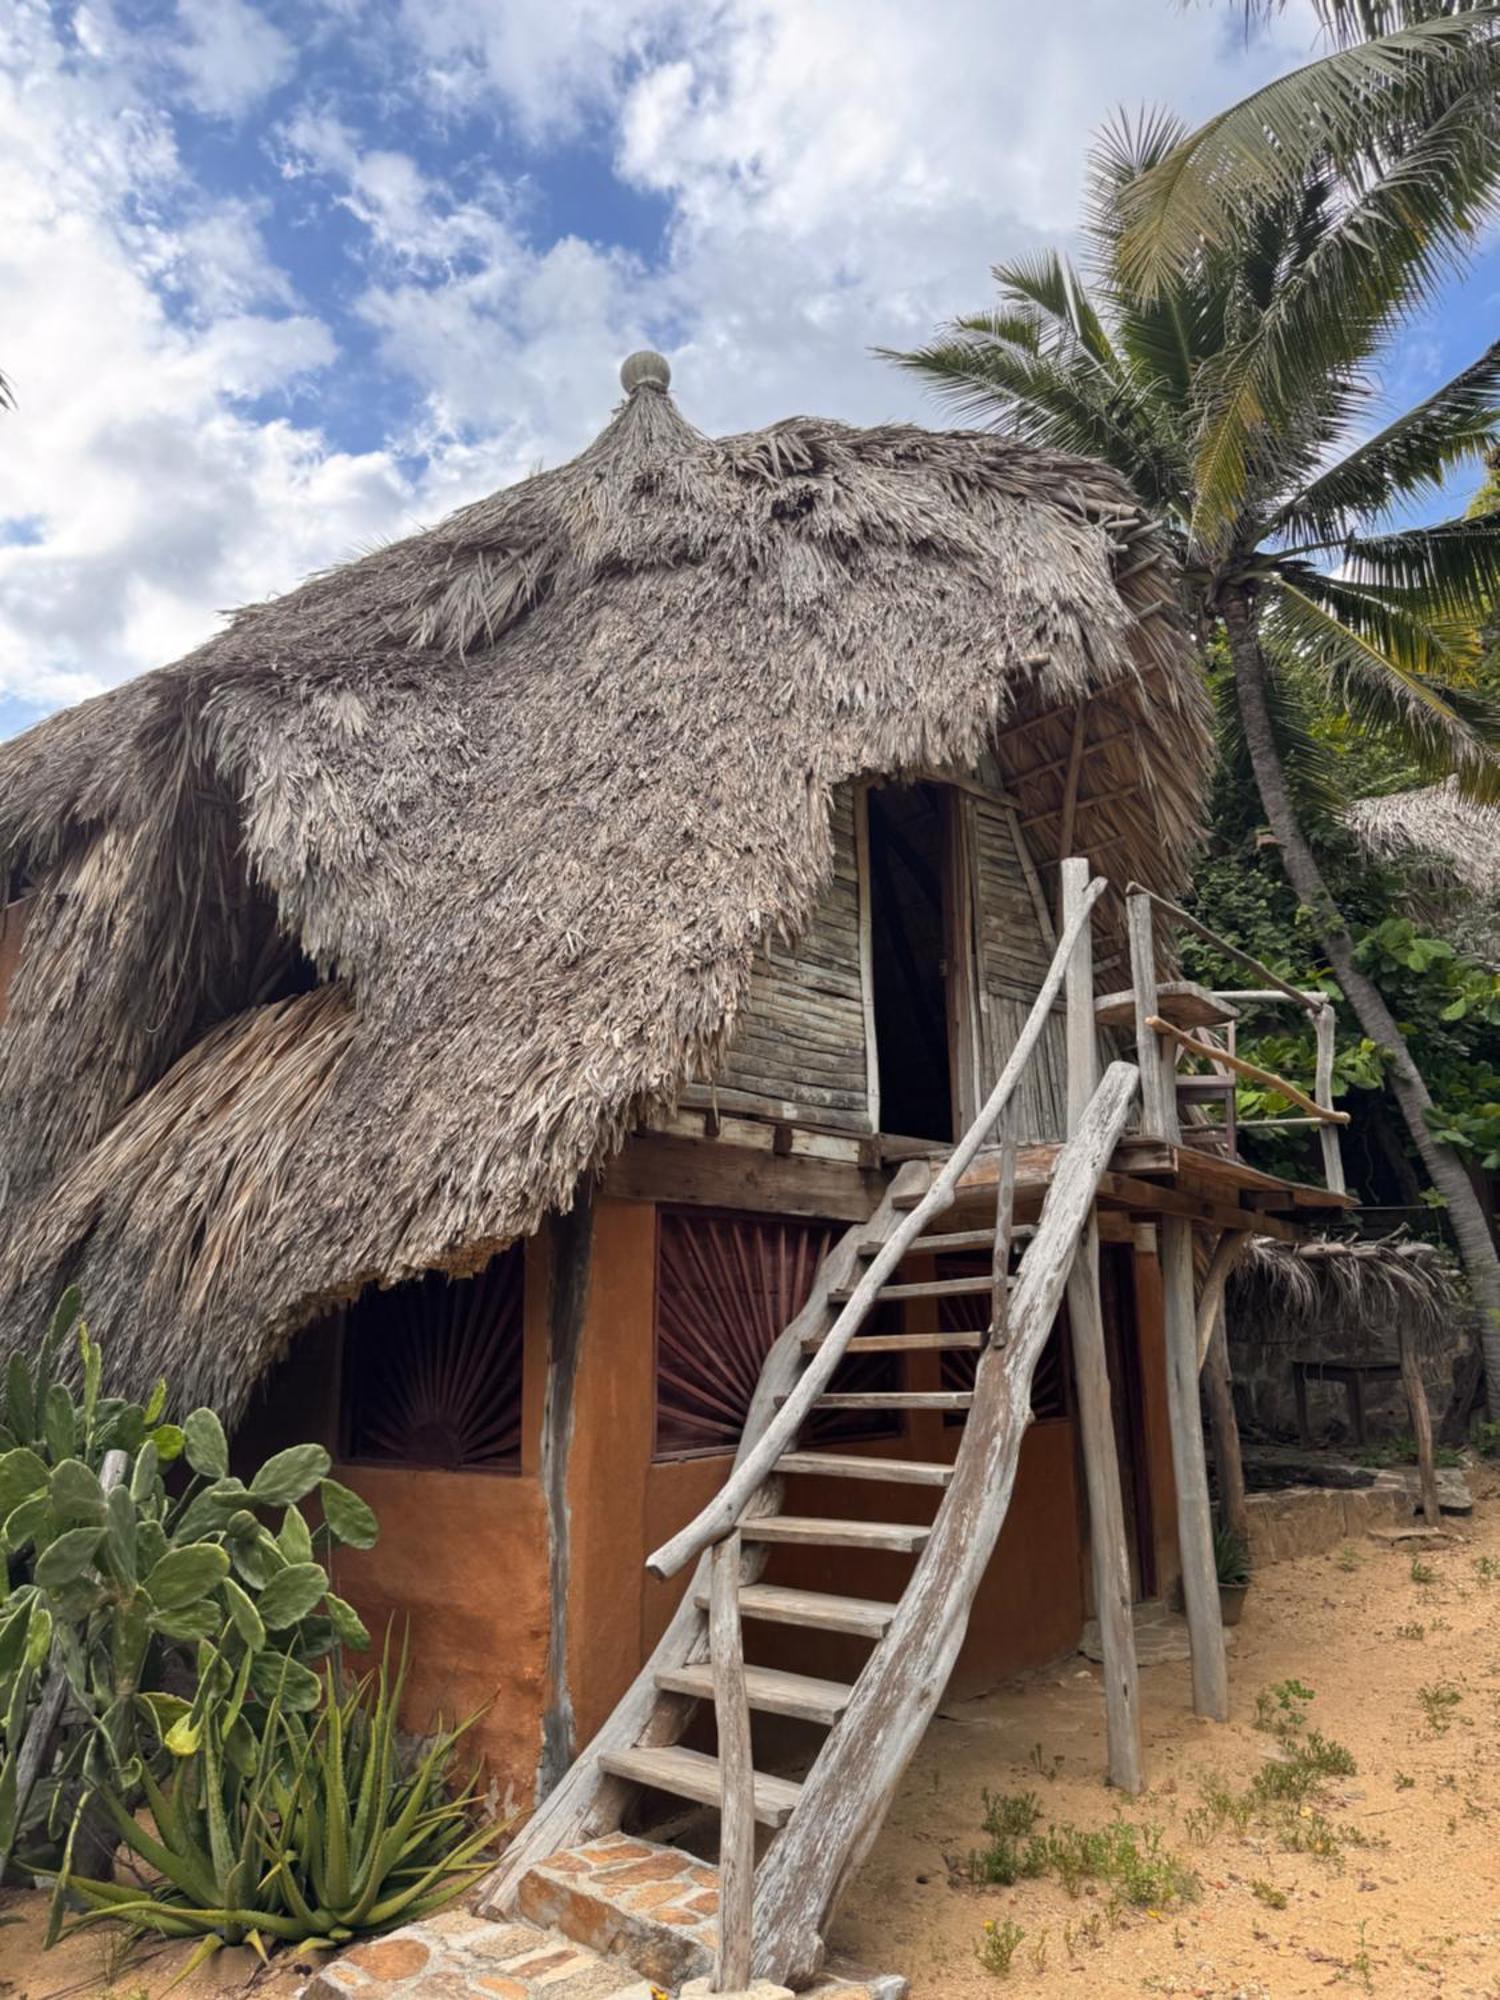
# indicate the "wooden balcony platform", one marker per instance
pixel 1146 1179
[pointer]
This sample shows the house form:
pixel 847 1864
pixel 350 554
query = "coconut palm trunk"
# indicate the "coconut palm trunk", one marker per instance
pixel 1445 1169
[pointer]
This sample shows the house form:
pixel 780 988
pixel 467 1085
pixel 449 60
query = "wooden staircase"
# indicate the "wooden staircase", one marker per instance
pixel 773 1910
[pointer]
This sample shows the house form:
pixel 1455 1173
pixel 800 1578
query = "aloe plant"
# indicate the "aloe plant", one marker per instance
pixel 120 1591
pixel 306 1831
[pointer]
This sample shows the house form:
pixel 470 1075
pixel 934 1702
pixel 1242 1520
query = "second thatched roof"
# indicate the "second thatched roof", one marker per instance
pixel 363 932
pixel 1448 848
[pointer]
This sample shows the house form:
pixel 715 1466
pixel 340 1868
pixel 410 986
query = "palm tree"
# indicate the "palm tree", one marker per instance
pixel 1282 514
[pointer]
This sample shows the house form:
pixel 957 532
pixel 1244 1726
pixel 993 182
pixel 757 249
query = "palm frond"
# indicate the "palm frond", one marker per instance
pixel 1453 566
pixel 1355 274
pixel 1412 455
pixel 1403 625
pixel 1262 149
pixel 1059 397
pixel 1443 728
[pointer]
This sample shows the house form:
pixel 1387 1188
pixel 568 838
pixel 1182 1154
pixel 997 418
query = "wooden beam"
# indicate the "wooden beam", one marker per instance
pixel 571 1239
pixel 656 1167
pixel 1108 1549
pixel 1195 1541
pixel 1070 790
pixel 1153 1198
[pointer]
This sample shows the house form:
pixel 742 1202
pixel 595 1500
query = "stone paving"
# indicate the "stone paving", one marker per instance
pixel 654 1906
pixel 618 1919
pixel 458 1957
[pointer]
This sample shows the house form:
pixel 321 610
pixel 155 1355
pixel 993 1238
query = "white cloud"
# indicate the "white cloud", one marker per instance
pixel 151 495
pixel 229 55
pixel 834 174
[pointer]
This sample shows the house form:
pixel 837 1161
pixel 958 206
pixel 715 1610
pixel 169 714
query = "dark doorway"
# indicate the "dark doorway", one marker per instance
pixel 908 848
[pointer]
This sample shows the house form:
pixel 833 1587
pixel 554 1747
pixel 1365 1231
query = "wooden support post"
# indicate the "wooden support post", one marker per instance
pixel 1328 1137
pixel 1229 1464
pixel 1421 1421
pixel 1158 1082
pixel 1005 1215
pixel 571 1241
pixel 1195 1537
pixel 736 1771
pixel 1108 1547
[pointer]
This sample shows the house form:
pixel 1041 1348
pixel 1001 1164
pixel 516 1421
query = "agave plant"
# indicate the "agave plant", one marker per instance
pixel 120 1582
pixel 309 1831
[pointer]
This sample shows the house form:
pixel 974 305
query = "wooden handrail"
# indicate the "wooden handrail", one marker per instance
pixel 1182 916
pixel 736 1771
pixel 1252 1070
pixel 726 1508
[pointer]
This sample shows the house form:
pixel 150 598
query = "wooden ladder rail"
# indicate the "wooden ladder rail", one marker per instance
pixel 846 1794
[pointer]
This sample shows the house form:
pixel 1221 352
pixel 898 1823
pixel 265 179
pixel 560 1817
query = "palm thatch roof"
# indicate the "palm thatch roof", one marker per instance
pixel 1448 848
pixel 364 931
pixel 1293 1292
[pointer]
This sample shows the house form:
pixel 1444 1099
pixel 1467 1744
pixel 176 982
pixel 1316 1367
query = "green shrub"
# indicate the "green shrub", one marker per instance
pixel 307 1831
pixel 119 1589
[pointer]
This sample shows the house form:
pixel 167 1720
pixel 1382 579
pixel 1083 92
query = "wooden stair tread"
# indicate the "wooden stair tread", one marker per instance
pixel 817 1610
pixel 920 1288
pixel 904 1537
pixel 1181 1001
pixel 939 1246
pixel 769 1689
pixel 1192 1088
pixel 849 1465
pixel 690 1774
pixel 896 1399
pixel 899 1343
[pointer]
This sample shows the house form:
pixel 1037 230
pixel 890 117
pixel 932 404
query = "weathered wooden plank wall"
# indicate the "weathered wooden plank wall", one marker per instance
pixel 1014 954
pixel 801 1038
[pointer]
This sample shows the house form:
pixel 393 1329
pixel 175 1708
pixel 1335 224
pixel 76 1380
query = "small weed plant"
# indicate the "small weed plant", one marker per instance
pixel 1411 1630
pixel 998 1945
pixel 1438 1699
pixel 1422 1573
pixel 1130 1860
pixel 1281 1799
pixel 1267 1893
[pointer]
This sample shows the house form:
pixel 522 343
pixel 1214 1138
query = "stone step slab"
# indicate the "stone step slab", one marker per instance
pixel 455 1956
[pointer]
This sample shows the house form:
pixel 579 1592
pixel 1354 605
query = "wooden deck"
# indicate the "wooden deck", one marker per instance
pixel 1146 1179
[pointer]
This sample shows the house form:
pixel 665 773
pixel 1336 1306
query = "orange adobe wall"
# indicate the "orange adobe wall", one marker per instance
pixel 461 1559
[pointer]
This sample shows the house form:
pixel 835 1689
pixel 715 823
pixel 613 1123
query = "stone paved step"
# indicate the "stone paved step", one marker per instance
pixel 467 1958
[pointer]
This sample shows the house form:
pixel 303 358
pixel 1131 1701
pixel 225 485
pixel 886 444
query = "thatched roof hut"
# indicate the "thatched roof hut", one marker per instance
pixel 1289 1294
pixel 1448 847
pixel 358 935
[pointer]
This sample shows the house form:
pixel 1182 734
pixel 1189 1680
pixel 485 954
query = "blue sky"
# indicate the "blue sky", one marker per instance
pixel 283 278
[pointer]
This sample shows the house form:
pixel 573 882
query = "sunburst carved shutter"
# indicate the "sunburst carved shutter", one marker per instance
pixel 969 1312
pixel 726 1286
pixel 432 1371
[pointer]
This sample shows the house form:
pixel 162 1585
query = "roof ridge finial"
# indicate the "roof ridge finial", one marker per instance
pixel 645 369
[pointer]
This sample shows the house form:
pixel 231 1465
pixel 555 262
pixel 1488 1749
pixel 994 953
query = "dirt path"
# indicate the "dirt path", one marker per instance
pixel 1406 1675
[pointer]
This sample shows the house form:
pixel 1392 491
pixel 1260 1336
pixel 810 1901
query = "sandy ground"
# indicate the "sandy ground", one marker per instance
pixel 1415 1913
